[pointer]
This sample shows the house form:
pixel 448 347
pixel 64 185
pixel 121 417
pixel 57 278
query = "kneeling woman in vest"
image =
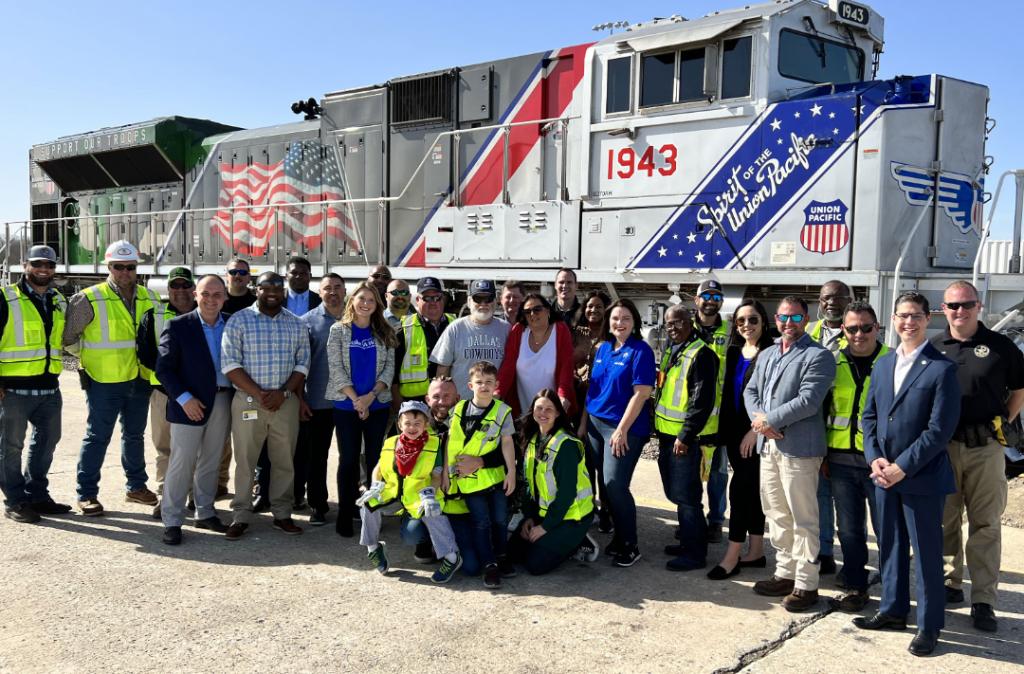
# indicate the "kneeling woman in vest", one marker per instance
pixel 560 498
pixel 408 476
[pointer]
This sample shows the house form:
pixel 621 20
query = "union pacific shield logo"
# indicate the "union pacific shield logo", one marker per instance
pixel 825 229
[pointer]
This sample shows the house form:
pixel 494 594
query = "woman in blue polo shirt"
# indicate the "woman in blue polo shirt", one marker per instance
pixel 618 419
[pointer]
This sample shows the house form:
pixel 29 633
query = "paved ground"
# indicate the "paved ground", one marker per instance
pixel 104 594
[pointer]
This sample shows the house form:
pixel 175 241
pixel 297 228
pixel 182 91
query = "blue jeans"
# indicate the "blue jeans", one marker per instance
pixel 16 413
pixel 851 487
pixel 826 516
pixel 462 527
pixel 680 477
pixel 617 473
pixel 488 516
pixel 718 487
pixel 128 400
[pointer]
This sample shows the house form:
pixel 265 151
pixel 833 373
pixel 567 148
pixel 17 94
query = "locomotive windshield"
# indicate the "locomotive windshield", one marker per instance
pixel 814 59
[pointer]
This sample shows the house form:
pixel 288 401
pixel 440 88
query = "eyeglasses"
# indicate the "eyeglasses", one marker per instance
pixel 789 318
pixel 753 320
pixel 123 267
pixel 483 299
pixel 676 323
pixel 866 328
pixel 431 298
pixel 714 297
pixel 180 284
pixel 270 285
pixel 40 264
pixel 534 310
pixel 238 272
pixel 956 306
pixel 398 293
pixel 381 277
pixel 911 317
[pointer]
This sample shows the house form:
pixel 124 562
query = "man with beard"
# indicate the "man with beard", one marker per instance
pixel 265 354
pixel 441 398
pixel 471 339
pixel 397 299
pixel 299 300
pixel 31 326
pixel 715 332
pixel 380 277
pixel 566 304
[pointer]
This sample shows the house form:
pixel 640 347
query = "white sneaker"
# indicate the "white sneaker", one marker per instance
pixel 588 551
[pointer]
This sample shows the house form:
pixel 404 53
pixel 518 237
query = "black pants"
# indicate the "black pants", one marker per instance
pixel 745 513
pixel 314 445
pixel 355 434
pixel 551 549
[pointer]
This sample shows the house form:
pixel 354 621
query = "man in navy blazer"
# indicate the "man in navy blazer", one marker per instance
pixel 912 410
pixel 198 408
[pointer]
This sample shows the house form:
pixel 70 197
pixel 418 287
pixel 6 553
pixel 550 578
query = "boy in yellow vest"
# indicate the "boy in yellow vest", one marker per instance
pixel 408 474
pixel 479 427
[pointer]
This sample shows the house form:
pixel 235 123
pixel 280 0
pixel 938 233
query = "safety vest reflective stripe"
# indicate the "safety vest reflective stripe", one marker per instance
pixel 546 490
pixel 412 372
pixel 23 345
pixel 816 330
pixel 101 315
pixel 406 488
pixel 673 398
pixel 844 393
pixel 161 314
pixel 108 341
pixel 486 439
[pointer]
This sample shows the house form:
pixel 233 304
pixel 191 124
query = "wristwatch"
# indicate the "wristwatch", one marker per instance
pixel 287 393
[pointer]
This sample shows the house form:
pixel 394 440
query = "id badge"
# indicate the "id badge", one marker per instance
pixel 250 415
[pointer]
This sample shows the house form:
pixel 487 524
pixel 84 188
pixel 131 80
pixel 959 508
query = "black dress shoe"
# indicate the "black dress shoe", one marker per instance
pixel 881 621
pixel 984 617
pixel 718 573
pixel 924 643
pixel 954 595
pixel 51 508
pixel 172 536
pixel 213 524
pixel 759 563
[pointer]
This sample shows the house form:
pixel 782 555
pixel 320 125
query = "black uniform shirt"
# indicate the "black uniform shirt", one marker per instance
pixel 989 367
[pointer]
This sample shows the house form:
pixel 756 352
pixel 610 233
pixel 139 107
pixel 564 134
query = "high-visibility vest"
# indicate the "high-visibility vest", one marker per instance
pixel 413 381
pixel 816 330
pixel 161 314
pixel 719 343
pixel 485 440
pixel 23 345
pixel 108 341
pixel 674 395
pixel 845 391
pixel 540 476
pixel 407 488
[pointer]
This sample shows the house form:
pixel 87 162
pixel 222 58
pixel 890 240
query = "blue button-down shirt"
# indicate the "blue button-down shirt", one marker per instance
pixel 297 303
pixel 268 348
pixel 213 334
pixel 319 323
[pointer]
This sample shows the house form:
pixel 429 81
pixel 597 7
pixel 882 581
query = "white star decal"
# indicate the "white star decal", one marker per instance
pixel 662 251
pixel 679 252
pixel 675 237
pixel 831 115
pixel 691 237
pixel 718 252
pixel 776 125
pixel 835 131
pixel 779 141
pixel 815 110
pixel 700 257
pixel 797 114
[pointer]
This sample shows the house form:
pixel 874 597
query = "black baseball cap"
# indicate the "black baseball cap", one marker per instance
pixel 429 283
pixel 710 284
pixel 482 287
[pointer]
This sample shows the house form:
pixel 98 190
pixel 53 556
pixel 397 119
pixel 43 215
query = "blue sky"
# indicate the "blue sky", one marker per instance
pixel 75 67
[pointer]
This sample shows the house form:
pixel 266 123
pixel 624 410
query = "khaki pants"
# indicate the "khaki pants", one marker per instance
pixel 160 431
pixel 981 489
pixel 225 465
pixel 789 498
pixel 279 430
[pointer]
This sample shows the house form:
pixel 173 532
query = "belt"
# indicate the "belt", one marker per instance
pixel 225 389
pixel 33 391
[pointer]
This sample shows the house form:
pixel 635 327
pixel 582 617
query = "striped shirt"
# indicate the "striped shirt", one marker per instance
pixel 268 348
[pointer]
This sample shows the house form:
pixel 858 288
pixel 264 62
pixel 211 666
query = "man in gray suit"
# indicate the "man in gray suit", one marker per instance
pixel 784 399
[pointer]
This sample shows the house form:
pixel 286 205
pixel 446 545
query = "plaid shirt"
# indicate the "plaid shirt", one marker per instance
pixel 268 348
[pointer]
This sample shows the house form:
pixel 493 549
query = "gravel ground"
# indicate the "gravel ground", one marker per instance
pixel 1013 516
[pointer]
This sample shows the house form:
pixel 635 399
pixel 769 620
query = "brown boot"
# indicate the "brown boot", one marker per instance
pixel 773 587
pixel 853 601
pixel 800 600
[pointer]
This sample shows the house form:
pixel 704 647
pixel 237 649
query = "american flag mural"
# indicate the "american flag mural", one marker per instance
pixel 274 198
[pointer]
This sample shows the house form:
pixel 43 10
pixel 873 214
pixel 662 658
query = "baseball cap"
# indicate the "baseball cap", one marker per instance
pixel 414 406
pixel 709 284
pixel 180 272
pixel 429 283
pixel 122 251
pixel 41 253
pixel 482 287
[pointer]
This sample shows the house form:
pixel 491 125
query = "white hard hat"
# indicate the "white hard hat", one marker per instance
pixel 122 251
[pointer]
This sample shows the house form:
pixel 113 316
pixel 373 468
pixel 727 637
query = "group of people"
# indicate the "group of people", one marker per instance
pixel 500 437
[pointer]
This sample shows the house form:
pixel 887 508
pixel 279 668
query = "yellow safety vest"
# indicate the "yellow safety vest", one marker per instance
pixel 844 392
pixel 23 344
pixel 108 342
pixel 816 330
pixel 485 440
pixel 674 395
pixel 161 314
pixel 540 477
pixel 413 381
pixel 719 344
pixel 406 488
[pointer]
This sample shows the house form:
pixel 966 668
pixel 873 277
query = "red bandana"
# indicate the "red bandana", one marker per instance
pixel 407 451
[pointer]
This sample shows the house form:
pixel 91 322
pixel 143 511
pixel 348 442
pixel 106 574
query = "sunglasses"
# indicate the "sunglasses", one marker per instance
pixel 431 298
pixel 238 272
pixel 41 264
pixel 866 328
pixel 789 318
pixel 399 293
pixel 483 299
pixel 534 310
pixel 123 267
pixel 956 306
pixel 753 320
pixel 714 297
pixel 180 285
pixel 270 285
pixel 381 277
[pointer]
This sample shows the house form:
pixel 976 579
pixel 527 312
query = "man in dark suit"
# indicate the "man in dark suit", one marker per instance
pixel 198 408
pixel 912 410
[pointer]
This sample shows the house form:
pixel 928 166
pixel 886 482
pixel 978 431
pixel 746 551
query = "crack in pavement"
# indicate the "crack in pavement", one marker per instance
pixel 792 630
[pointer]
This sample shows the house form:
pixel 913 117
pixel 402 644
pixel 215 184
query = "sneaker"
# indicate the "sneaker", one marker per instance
pixel 318 519
pixel 142 496
pixel 424 553
pixel 826 565
pixel 853 601
pixel 588 550
pixel 444 573
pixel 22 513
pixel 628 556
pixel 90 507
pixel 172 536
pixel 492 576
pixel 506 567
pixel 288 526
pixel 379 559
pixel 50 508
pixel 605 525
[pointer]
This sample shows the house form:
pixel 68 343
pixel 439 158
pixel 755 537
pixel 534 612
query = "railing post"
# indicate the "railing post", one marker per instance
pixel 563 183
pixel 504 166
pixel 457 177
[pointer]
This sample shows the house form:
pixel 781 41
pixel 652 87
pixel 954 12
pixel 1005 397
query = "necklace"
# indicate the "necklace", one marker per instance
pixel 537 343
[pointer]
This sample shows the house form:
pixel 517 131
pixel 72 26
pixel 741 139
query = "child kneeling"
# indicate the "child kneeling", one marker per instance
pixel 409 473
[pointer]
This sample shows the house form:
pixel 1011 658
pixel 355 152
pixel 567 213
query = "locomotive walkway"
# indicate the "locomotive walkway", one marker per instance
pixel 103 594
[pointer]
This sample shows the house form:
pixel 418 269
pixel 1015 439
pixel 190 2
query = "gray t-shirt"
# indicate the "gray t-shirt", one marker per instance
pixel 471 411
pixel 464 343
